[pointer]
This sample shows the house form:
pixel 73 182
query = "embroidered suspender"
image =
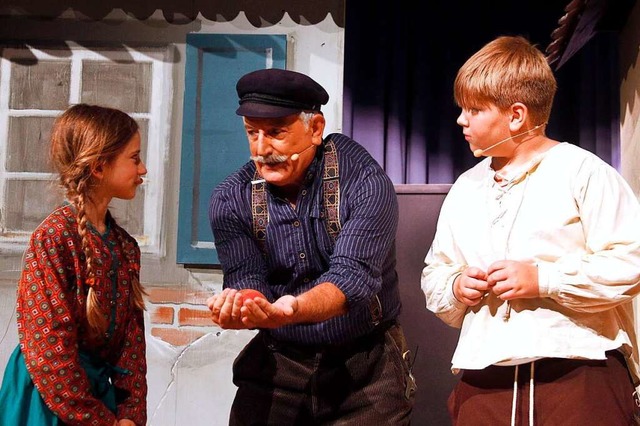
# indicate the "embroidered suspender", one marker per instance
pixel 331 191
pixel 259 212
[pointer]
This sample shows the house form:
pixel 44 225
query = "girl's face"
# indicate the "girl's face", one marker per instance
pixel 122 175
pixel 484 126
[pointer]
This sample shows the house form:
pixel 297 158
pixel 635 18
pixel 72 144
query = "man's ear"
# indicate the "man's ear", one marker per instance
pixel 518 114
pixel 317 129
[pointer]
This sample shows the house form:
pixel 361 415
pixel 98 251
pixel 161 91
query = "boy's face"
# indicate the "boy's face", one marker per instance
pixel 484 126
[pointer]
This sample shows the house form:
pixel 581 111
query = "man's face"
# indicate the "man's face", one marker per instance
pixel 273 142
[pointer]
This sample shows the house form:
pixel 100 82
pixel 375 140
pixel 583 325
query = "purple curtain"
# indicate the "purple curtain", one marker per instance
pixel 401 61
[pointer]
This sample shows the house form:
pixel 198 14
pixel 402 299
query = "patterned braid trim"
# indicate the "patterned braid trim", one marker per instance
pixel 331 191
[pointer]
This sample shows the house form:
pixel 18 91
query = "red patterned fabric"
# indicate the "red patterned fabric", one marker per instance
pixel 52 324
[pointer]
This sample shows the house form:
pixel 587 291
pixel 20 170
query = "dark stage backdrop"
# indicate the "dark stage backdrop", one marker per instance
pixel 401 61
pixel 430 340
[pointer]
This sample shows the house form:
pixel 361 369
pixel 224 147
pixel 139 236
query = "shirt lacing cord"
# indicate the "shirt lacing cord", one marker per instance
pixel 515 393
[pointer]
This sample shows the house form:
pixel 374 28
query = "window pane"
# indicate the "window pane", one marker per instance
pixel 27 203
pixel 130 213
pixel 124 86
pixel 143 125
pixel 28 144
pixel 41 85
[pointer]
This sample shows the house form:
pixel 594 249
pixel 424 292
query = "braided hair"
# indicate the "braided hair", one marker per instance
pixel 83 137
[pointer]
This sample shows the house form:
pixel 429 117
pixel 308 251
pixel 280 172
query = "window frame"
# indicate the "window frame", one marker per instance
pixel 151 242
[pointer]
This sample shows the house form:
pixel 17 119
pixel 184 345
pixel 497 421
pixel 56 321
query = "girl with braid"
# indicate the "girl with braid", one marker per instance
pixel 81 357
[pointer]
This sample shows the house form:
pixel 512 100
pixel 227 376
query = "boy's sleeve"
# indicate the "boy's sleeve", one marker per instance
pixel 607 274
pixel 442 269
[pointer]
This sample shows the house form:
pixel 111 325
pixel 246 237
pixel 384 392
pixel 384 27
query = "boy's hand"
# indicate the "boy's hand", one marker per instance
pixel 470 286
pixel 510 279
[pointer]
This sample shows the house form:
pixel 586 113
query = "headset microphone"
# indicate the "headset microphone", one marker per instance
pixel 294 157
pixel 478 152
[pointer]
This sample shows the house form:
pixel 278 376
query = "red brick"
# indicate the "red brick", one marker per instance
pixel 177 295
pixel 187 316
pixel 161 314
pixel 176 336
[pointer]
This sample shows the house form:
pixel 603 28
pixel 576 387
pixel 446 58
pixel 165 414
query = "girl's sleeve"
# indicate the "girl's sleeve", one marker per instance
pixel 47 329
pixel 134 384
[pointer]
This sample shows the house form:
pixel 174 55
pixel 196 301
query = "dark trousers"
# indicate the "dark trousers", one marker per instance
pixel 366 382
pixel 567 392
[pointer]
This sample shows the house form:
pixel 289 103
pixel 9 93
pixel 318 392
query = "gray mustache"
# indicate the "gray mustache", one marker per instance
pixel 269 159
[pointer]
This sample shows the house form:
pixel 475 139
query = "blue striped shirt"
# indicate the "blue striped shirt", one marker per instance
pixel 299 251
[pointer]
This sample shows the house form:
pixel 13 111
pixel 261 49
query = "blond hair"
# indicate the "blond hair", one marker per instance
pixel 505 71
pixel 83 137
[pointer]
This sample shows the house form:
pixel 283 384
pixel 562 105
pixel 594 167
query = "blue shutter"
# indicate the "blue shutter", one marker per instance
pixel 213 140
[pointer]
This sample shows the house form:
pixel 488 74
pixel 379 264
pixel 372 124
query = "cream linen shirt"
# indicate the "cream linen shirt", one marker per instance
pixel 577 219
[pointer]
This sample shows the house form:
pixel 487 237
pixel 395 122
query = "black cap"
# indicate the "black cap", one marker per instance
pixel 271 93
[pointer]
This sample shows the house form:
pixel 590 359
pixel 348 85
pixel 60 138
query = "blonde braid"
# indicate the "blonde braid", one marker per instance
pixel 95 314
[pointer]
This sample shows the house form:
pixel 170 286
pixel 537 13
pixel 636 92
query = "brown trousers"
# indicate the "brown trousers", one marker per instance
pixel 566 392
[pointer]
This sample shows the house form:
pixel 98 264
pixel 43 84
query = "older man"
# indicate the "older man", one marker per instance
pixel 310 223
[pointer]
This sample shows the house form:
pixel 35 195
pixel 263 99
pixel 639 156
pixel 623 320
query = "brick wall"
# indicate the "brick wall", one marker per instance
pixel 179 316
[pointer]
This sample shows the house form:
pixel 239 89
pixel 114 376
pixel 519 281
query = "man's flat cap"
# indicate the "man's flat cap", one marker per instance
pixel 271 93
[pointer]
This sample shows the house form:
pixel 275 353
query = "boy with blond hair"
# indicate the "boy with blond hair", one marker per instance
pixel 536 259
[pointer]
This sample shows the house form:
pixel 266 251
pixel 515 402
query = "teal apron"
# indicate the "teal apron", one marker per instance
pixel 22 405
